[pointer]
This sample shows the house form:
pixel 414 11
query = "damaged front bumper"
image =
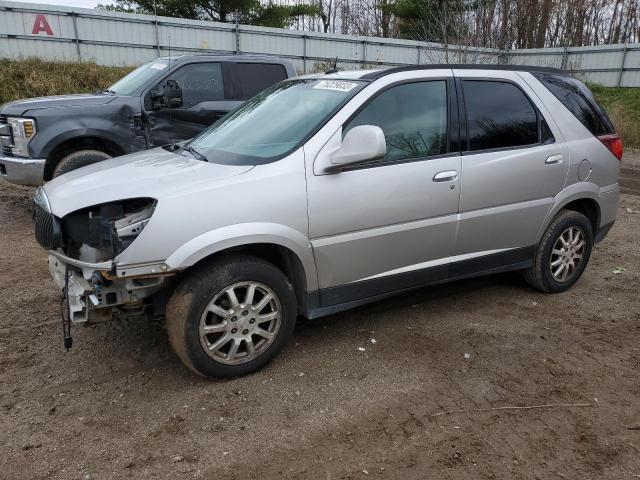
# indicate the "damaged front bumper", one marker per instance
pixel 95 289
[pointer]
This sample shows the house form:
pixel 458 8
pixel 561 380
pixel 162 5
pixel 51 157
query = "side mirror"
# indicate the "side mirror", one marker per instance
pixel 363 143
pixel 172 94
pixel 157 100
pixel 166 95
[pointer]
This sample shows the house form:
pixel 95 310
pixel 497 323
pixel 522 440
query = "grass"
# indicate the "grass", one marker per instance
pixel 623 106
pixel 34 78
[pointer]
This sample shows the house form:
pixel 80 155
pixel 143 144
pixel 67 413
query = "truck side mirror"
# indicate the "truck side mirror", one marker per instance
pixel 166 95
pixel 172 94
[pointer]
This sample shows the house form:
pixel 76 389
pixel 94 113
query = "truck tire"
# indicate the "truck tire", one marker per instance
pixel 231 316
pixel 78 159
pixel 563 253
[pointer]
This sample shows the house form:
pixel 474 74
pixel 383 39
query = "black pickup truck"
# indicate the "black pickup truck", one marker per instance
pixel 165 101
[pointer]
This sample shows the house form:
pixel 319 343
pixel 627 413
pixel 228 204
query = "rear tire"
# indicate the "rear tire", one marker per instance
pixel 563 253
pixel 78 159
pixel 219 336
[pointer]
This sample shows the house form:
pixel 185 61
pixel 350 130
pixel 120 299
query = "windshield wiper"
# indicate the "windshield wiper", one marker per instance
pixel 106 90
pixel 195 153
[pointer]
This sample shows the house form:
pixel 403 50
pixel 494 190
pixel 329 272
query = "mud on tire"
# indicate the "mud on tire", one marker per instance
pixel 539 275
pixel 198 291
pixel 78 159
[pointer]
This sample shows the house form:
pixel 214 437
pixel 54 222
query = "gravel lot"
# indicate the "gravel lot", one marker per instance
pixel 411 405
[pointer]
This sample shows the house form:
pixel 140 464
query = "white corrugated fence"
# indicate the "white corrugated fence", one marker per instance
pixel 109 38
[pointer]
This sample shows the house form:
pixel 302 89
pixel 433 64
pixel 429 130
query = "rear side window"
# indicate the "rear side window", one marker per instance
pixel 253 78
pixel 413 117
pixel 579 100
pixel 499 115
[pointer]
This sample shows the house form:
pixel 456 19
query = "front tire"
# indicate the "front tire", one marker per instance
pixel 231 316
pixel 78 159
pixel 563 253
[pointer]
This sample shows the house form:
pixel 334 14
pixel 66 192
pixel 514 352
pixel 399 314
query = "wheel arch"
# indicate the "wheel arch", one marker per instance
pixel 579 199
pixel 66 144
pixel 286 248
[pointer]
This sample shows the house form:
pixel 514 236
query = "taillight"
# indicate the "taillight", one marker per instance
pixel 614 143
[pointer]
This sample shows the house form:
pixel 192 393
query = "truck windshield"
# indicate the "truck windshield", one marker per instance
pixel 275 122
pixel 131 83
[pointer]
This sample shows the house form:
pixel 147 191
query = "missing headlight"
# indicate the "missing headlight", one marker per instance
pixel 109 228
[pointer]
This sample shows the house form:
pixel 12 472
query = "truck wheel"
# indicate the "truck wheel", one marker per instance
pixel 563 253
pixel 231 316
pixel 78 159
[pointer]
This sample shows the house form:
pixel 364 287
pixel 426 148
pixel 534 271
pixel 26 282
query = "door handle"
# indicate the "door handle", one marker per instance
pixel 554 159
pixel 447 176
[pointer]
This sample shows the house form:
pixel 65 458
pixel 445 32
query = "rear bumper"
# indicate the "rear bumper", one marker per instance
pixel 603 232
pixel 23 171
pixel 608 203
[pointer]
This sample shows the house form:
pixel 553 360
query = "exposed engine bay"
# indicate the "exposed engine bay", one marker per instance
pixel 83 246
pixel 101 232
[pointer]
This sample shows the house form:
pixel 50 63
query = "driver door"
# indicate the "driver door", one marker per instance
pixel 390 225
pixel 203 102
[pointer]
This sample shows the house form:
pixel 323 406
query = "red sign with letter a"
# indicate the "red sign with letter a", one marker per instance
pixel 41 25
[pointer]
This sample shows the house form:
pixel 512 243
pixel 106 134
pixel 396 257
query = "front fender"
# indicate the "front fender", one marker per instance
pixel 246 234
pixel 114 123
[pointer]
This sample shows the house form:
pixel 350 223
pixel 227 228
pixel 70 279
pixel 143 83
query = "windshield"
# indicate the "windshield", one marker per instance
pixel 274 122
pixel 138 78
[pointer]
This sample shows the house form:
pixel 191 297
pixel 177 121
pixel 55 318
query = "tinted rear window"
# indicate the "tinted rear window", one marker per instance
pixel 256 77
pixel 579 100
pixel 499 115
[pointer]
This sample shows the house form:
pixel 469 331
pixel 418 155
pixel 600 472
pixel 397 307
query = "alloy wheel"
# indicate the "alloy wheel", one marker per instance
pixel 240 323
pixel 567 254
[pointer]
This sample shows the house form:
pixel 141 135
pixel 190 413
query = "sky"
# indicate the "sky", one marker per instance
pixel 69 3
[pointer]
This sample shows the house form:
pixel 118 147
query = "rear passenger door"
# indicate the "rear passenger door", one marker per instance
pixel 514 162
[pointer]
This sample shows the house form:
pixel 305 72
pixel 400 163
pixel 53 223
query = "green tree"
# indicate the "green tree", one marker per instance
pixel 251 12
pixel 432 20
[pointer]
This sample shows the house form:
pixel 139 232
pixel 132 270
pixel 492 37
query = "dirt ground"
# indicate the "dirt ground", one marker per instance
pixel 428 400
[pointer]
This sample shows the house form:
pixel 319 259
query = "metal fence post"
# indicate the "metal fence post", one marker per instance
pixel 624 58
pixel 418 47
pixel 155 22
pixel 75 34
pixel 237 37
pixel 364 52
pixel 304 53
pixel 565 58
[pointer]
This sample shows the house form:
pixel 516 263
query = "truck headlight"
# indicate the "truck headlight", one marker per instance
pixel 23 130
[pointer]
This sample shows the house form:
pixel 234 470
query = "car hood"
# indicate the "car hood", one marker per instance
pixel 21 107
pixel 155 173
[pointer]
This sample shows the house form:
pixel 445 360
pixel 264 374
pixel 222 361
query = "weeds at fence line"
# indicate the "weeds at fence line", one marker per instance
pixel 33 77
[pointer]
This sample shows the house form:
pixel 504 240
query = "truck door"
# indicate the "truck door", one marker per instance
pixel 201 88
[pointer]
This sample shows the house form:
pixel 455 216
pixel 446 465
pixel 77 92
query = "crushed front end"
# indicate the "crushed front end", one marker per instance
pixel 83 249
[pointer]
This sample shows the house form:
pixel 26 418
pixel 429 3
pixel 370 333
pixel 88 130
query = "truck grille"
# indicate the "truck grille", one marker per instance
pixel 4 126
pixel 47 228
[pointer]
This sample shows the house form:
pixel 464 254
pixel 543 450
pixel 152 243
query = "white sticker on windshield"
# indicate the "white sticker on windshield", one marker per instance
pixel 338 85
pixel 159 66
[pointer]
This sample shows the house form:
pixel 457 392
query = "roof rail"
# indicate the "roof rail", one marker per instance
pixel 465 66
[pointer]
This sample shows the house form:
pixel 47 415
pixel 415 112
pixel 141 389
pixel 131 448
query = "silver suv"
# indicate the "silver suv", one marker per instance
pixel 327 192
